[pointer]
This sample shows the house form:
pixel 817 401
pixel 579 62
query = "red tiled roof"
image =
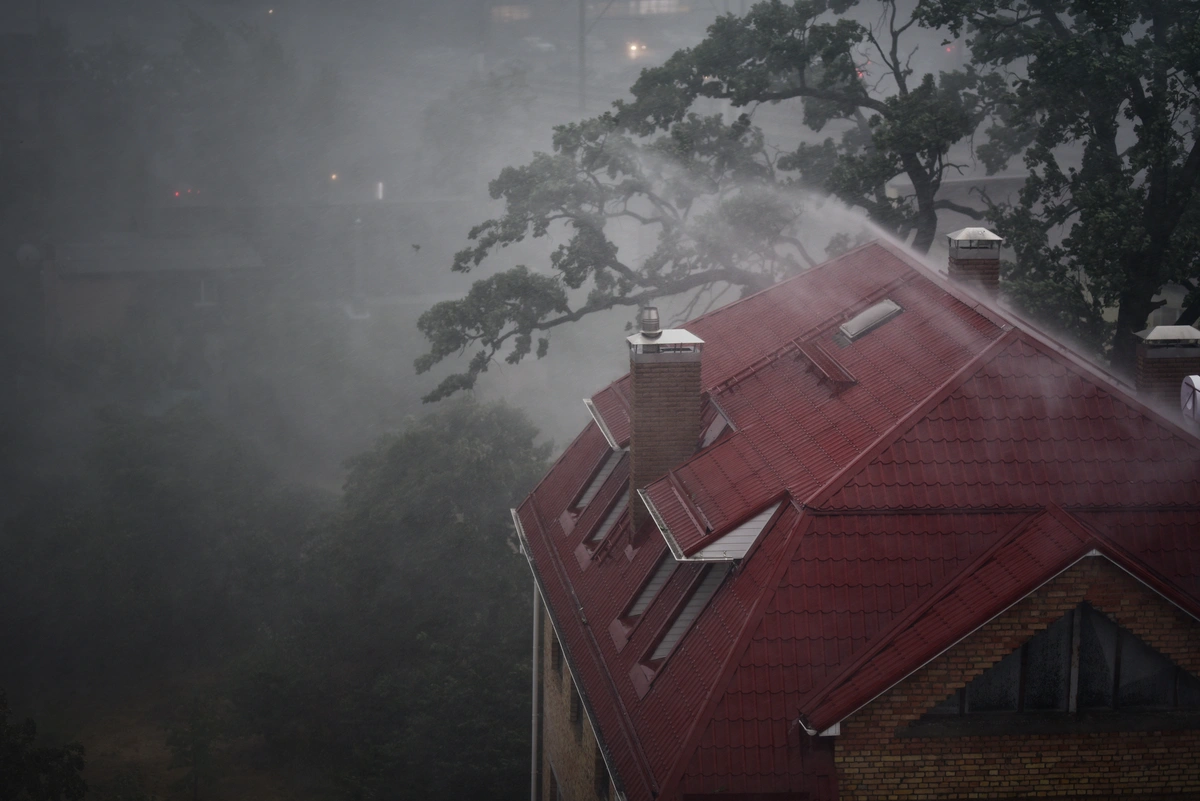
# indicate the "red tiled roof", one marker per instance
pixel 937 469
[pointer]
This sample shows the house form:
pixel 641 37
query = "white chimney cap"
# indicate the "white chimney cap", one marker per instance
pixel 669 336
pixel 973 235
pixel 1169 333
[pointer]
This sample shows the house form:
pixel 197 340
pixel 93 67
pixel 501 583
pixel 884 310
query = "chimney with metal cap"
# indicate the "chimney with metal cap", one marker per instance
pixel 1166 356
pixel 975 258
pixel 664 377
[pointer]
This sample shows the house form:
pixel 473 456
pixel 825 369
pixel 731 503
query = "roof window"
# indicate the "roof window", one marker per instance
pixel 601 475
pixel 611 518
pixel 656 583
pixel 691 610
pixel 869 319
pixel 621 628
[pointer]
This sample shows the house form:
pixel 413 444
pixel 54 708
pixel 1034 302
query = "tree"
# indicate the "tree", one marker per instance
pixel 404 673
pixel 29 772
pixel 193 741
pixel 715 194
pixel 173 549
pixel 1103 105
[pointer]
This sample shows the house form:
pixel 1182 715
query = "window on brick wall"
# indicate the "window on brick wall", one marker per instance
pixel 575 712
pixel 556 655
pixel 600 775
pixel 1080 664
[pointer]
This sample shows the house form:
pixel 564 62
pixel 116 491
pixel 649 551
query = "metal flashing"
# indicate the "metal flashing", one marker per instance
pixel 603 426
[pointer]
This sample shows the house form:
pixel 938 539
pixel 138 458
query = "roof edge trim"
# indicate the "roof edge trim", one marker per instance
pixel 657 517
pixel 605 752
pixel 603 426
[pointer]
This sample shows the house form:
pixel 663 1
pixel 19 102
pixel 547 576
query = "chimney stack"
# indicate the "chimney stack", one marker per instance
pixel 664 373
pixel 1166 356
pixel 975 258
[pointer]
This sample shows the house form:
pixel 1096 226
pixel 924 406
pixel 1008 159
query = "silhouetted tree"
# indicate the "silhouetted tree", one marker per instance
pixel 714 193
pixel 32 772
pixel 1118 81
pixel 406 673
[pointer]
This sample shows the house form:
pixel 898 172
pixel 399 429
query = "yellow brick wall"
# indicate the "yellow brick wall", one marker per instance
pixel 875 764
pixel 569 749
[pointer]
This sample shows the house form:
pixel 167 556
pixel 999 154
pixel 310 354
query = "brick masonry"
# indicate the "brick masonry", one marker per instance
pixel 1160 371
pixel 665 419
pixel 569 752
pixel 873 763
pixel 983 272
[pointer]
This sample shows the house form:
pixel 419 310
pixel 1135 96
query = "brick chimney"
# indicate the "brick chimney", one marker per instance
pixel 1166 355
pixel 975 258
pixel 664 373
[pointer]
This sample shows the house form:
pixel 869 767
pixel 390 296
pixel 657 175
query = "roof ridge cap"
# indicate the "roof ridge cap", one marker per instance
pixel 1006 316
pixel 910 419
pixel 1085 369
pixel 808 271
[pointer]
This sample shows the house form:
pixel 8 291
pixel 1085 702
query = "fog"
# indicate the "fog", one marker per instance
pixel 229 519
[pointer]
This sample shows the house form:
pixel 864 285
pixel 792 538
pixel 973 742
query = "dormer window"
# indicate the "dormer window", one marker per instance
pixel 623 626
pixel 610 520
pixel 702 591
pixel 598 478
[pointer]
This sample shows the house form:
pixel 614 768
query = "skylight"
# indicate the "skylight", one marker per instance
pixel 869 319
pixel 601 476
pixel 611 518
pixel 656 582
pixel 708 587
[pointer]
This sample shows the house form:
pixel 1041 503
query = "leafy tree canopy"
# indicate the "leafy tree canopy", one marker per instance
pixel 1102 102
pixel 406 673
pixel 713 191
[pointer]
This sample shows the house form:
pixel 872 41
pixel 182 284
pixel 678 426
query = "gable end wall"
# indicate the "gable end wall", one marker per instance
pixel 875 764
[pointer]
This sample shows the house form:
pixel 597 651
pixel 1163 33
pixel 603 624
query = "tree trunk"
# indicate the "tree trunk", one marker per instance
pixel 1135 307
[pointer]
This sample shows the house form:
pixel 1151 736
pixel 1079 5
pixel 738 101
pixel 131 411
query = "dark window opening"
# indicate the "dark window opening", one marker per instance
pixel 556 655
pixel 600 776
pixel 575 712
pixel 1082 662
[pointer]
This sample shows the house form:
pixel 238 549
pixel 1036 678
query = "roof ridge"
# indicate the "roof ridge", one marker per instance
pixel 1081 367
pixel 1145 573
pixel 914 415
pixel 1006 316
pixel 807 271
pixel 920 608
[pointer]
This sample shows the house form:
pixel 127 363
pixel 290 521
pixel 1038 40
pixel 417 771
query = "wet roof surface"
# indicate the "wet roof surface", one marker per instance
pixel 947 460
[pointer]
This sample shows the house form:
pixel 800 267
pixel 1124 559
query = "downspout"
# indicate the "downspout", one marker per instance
pixel 535 756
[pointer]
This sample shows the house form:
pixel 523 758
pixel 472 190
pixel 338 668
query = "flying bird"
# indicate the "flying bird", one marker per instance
pixel 416 248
